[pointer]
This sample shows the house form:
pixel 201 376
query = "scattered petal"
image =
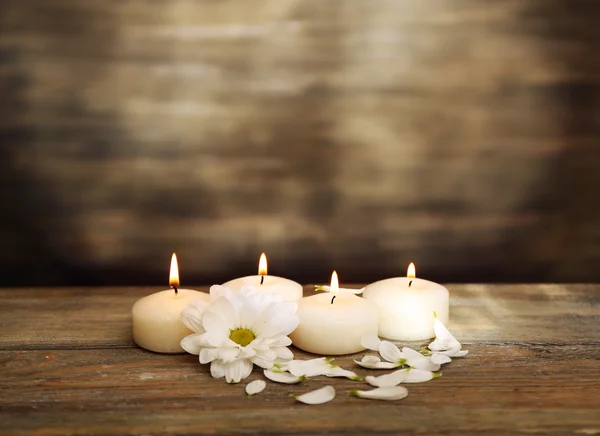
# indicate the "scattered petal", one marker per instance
pixel 336 371
pixel 387 380
pixel 387 394
pixel 255 387
pixel 374 362
pixel 390 352
pixel 309 368
pixel 319 396
pixel 370 341
pixel 283 377
pixel 416 360
pixel 419 375
pixel 440 358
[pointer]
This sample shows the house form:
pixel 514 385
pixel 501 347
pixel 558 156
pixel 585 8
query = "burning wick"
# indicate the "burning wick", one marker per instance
pixel 409 283
pixel 333 298
pixel 175 289
pixel 262 279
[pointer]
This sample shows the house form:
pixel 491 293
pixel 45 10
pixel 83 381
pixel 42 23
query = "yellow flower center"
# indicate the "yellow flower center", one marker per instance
pixel 241 336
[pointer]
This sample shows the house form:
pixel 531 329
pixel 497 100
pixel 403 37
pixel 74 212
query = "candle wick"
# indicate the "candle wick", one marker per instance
pixel 409 283
pixel 333 299
pixel 262 279
pixel 175 289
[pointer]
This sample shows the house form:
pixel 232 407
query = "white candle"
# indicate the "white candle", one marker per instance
pixel 157 322
pixel 289 289
pixel 406 306
pixel 333 323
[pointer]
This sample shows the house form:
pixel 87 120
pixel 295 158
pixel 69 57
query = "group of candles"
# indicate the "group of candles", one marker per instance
pixel 331 322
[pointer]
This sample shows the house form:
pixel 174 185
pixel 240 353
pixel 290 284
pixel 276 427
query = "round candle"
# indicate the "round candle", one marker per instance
pixel 266 284
pixel 333 323
pixel 406 306
pixel 157 322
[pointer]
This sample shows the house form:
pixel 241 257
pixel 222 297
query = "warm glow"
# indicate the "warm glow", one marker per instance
pixel 411 273
pixel 262 265
pixel 174 275
pixel 335 283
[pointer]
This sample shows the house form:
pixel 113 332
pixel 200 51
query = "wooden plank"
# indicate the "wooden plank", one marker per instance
pixel 100 317
pixel 517 388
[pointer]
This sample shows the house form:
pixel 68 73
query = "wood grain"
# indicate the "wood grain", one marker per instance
pixel 69 367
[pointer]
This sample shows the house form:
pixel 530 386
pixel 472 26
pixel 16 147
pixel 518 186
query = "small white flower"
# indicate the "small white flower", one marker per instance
pixel 374 362
pixel 370 341
pixel 387 394
pixel 283 377
pixel 255 387
pixel 237 330
pixel 319 396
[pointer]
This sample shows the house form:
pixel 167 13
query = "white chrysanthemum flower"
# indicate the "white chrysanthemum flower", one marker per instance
pixel 238 329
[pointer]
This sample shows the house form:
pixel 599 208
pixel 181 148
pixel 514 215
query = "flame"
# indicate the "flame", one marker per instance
pixel 174 275
pixel 411 273
pixel 335 283
pixel 262 265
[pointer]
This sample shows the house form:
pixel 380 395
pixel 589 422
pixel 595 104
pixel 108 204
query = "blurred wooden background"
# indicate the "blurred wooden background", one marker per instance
pixel 359 135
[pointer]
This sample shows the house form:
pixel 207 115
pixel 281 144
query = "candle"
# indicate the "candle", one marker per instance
pixel 157 322
pixel 266 284
pixel 406 306
pixel 333 323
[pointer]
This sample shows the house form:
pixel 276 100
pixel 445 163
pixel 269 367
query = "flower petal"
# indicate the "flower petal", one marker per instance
pixel 390 352
pixel 228 354
pixel 255 387
pixel 370 341
pixel 387 394
pixel 387 380
pixel 319 396
pixel 192 343
pixel 214 323
pixel 336 371
pixel 237 370
pixel 207 355
pixel 440 358
pixel 419 375
pixel 417 360
pixel 278 319
pixel 192 316
pixel 283 377
pixel 262 362
pixel 309 368
pixel 374 362
pixel 217 369
pixel 284 353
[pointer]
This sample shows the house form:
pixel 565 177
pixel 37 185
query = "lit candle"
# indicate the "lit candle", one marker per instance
pixel 266 284
pixel 406 306
pixel 157 322
pixel 333 323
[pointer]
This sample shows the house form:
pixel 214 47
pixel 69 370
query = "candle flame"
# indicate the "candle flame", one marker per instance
pixel 262 265
pixel 411 273
pixel 335 283
pixel 174 275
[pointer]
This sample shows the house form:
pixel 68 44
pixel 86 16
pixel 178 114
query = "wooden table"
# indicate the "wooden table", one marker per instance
pixel 69 366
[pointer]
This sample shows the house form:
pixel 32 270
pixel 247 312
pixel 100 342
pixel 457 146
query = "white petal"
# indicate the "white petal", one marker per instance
pixel 283 377
pixel 207 355
pixel 336 371
pixel 192 316
pixel 262 362
pixel 224 307
pixel 309 368
pixel 217 369
pixel 418 361
pixel 214 323
pixel 237 370
pixel 284 353
pixel 319 396
pixel 228 354
pixel 390 352
pixel 388 394
pixel 212 339
pixel 246 353
pixel 374 362
pixel 192 343
pixel 278 319
pixel 441 332
pixel 255 387
pixel 440 358
pixel 387 380
pixel 370 341
pixel 279 341
pixel 419 375
pixel 461 353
